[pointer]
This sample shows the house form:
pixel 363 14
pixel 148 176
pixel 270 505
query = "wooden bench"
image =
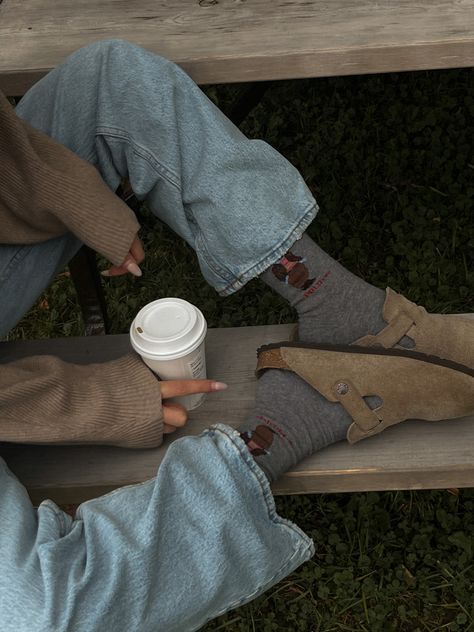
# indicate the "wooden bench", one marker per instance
pixel 412 455
pixel 222 41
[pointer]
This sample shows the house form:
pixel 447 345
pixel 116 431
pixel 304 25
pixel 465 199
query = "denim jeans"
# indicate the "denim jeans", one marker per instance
pixel 203 536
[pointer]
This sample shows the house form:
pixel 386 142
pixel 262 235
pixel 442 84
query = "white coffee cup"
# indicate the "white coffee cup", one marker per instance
pixel 169 336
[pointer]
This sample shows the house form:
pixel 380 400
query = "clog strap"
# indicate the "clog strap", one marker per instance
pixel 391 334
pixel 365 421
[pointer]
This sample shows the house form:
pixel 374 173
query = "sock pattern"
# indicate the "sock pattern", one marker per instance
pixel 334 306
pixel 291 421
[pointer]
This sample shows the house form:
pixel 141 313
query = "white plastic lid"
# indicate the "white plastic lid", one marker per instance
pixel 167 329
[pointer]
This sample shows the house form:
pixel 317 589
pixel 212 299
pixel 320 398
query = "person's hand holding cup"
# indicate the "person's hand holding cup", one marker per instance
pixel 169 336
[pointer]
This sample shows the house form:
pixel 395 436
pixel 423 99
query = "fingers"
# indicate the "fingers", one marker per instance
pixel 168 429
pixel 129 266
pixel 177 388
pixel 114 271
pixel 174 416
pixel 130 263
pixel 136 250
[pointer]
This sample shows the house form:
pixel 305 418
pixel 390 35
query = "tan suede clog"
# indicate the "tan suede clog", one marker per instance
pixel 443 335
pixel 410 384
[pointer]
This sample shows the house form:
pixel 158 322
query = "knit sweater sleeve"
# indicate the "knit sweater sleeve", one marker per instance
pixel 46 191
pixel 46 400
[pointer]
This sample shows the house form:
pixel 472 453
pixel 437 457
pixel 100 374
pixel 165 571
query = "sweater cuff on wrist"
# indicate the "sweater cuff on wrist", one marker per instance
pixel 137 400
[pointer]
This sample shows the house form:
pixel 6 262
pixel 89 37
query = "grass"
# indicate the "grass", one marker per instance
pixel 390 160
pixel 385 562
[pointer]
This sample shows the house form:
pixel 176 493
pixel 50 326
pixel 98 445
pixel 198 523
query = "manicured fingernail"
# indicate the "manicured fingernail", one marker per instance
pixel 219 386
pixel 105 273
pixel 133 269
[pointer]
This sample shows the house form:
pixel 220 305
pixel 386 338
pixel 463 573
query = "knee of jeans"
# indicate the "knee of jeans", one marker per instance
pixel 121 53
pixel 109 48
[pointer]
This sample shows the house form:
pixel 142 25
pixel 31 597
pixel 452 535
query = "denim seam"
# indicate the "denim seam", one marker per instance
pixel 118 134
pixel 201 249
pixel 266 260
pixel 300 550
pixel 59 515
pixel 16 259
pixel 305 546
pixel 295 233
pixel 259 475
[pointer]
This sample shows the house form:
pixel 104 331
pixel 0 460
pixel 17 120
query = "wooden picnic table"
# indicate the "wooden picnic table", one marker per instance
pixel 220 41
pixel 411 455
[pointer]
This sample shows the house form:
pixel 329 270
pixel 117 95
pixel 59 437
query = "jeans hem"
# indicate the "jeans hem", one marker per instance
pixel 303 549
pixel 301 554
pixel 276 253
pixel 259 474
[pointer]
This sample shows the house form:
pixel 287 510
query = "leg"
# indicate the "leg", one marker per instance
pixel 162 555
pixel 133 114
pixel 25 271
pixel 239 203
pixel 52 569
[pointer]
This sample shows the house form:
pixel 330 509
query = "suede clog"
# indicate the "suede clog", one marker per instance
pixel 410 385
pixel 443 335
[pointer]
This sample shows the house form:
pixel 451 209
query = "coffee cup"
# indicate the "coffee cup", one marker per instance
pixel 169 336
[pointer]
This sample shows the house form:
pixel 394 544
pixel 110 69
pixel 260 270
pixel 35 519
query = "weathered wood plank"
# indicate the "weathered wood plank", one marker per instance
pixel 413 455
pixel 242 40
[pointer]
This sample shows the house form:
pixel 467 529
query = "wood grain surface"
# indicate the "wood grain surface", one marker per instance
pixel 242 40
pixel 412 455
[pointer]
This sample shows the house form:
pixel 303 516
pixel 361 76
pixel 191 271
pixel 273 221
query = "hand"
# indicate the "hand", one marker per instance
pixel 130 263
pixel 174 415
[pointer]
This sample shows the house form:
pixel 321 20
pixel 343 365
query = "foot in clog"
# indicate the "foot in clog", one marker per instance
pixel 408 384
pixel 310 396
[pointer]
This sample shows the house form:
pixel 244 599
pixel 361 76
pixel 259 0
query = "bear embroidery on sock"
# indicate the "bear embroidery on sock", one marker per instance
pixel 292 271
pixel 258 440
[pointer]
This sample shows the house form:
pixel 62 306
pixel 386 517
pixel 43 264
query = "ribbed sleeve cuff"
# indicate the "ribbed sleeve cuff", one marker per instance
pixel 50 191
pixel 135 416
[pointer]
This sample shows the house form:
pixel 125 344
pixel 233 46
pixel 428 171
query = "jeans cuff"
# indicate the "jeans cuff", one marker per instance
pixel 240 449
pixel 276 253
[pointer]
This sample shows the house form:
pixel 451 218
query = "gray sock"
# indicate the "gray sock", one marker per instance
pixel 334 306
pixel 291 421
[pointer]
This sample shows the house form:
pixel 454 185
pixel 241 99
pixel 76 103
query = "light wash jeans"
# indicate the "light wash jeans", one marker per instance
pixel 203 536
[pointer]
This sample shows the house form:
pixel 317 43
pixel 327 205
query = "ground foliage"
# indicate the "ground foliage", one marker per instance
pixel 385 562
pixel 390 160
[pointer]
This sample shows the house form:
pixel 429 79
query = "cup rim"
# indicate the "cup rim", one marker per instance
pixel 166 357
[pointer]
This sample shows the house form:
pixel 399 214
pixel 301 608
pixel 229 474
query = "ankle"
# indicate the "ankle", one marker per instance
pixel 291 421
pixel 353 314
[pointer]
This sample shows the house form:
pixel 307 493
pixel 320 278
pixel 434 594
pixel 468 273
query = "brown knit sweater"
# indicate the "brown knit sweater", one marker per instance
pixel 47 191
